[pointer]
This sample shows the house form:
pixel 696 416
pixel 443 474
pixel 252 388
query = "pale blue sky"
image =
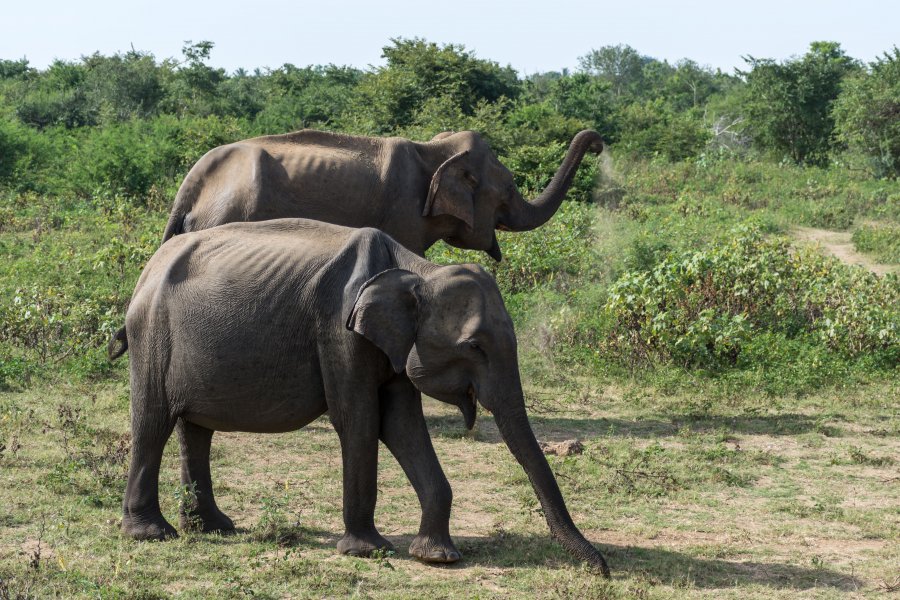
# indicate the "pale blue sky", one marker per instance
pixel 530 35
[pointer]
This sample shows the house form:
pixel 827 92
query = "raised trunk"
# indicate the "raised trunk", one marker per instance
pixel 522 215
pixel 519 437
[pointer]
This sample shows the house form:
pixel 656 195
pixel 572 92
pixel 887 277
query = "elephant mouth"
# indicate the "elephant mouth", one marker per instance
pixel 469 407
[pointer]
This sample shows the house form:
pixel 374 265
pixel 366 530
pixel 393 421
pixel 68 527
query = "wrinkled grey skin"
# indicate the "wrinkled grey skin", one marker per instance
pixel 451 188
pixel 263 327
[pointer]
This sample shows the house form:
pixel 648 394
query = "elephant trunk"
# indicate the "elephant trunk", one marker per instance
pixel 519 437
pixel 522 215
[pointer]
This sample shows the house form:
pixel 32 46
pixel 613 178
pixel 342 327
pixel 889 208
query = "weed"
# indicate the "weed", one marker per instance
pixel 186 497
pixel 858 457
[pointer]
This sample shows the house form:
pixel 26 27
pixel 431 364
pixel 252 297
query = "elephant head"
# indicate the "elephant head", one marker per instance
pixel 451 333
pixel 470 185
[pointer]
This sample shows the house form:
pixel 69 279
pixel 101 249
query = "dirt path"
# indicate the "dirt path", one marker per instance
pixel 840 245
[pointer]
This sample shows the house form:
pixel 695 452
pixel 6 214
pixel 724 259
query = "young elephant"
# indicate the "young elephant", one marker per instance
pixel 265 326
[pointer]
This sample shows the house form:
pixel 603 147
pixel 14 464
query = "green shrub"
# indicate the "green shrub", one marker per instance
pixel 881 240
pixel 133 156
pixel 562 248
pixel 24 153
pixel 535 166
pixel 701 308
pixel 652 130
pixel 50 324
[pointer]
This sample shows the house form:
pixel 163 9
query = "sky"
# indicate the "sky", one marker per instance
pixel 531 36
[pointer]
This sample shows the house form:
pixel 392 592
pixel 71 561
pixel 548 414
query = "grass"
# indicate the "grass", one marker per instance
pixel 741 500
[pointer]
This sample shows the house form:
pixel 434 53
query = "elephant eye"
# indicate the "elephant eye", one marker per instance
pixel 473 345
pixel 470 178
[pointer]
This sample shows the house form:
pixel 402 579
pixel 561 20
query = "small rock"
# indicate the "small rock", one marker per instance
pixel 566 448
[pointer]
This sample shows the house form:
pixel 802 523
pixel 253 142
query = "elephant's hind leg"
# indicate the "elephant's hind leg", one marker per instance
pixel 151 426
pixel 198 509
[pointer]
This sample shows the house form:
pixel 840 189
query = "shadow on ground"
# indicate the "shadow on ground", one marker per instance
pixel 284 536
pixel 560 428
pixel 659 566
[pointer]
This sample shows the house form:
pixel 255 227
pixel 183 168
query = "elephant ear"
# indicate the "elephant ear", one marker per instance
pixel 452 191
pixel 386 313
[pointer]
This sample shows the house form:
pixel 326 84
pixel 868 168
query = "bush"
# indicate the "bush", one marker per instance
pixel 881 240
pixel 701 308
pixel 51 324
pixel 134 156
pixel 535 166
pixel 561 248
pixel 652 130
pixel 23 154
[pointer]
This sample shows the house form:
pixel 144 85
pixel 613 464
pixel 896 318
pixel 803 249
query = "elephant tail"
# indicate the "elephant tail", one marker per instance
pixel 122 339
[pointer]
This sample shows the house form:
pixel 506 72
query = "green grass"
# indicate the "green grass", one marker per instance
pixel 740 500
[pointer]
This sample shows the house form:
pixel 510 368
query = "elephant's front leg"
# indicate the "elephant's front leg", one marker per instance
pixel 357 427
pixel 405 433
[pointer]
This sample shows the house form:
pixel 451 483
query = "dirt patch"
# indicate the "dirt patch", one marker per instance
pixel 839 244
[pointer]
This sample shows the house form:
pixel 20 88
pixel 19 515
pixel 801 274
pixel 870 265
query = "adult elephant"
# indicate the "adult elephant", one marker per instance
pixel 452 188
pixel 264 327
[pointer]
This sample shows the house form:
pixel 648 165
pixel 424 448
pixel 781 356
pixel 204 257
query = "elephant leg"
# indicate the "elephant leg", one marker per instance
pixel 404 432
pixel 151 427
pixel 358 432
pixel 198 510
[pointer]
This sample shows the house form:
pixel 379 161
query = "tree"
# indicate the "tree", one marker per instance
pixel 689 85
pixel 589 99
pixel 312 96
pixel 622 66
pixel 867 114
pixel 788 105
pixel 15 69
pixel 652 129
pixel 54 97
pixel 195 84
pixel 123 86
pixel 417 71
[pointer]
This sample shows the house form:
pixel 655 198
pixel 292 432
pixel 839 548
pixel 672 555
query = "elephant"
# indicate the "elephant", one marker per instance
pixel 265 326
pixel 452 188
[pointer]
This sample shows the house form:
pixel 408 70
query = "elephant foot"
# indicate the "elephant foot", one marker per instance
pixel 210 521
pixel 434 550
pixel 365 544
pixel 155 528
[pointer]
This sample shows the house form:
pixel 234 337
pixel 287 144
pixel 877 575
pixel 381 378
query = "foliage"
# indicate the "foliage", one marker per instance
pixel 881 240
pixel 293 98
pixel 621 66
pixel 867 114
pixel 702 308
pixel 557 252
pixel 51 324
pixel 416 71
pixel 133 156
pixel 789 104
pixel 653 130
pixel 23 153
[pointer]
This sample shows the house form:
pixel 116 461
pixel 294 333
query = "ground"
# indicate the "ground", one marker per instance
pixel 735 497
pixel 840 245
